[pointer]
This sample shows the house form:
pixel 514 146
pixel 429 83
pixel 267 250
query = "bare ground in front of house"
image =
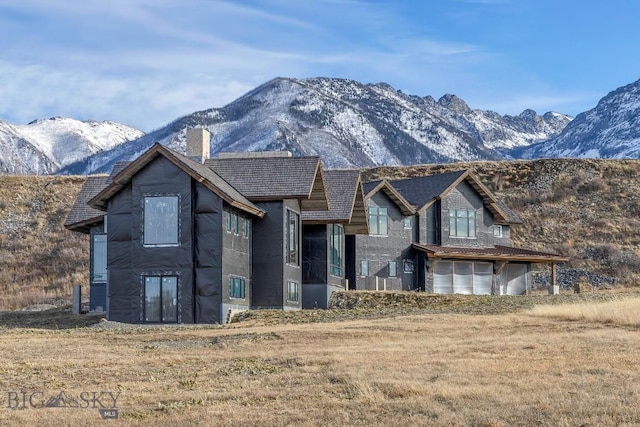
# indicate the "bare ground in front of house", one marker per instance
pixel 531 367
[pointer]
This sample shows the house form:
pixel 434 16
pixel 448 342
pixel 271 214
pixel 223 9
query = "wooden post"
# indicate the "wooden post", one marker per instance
pixel 554 289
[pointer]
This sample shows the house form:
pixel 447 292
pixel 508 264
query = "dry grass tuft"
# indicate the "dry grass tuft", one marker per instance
pixel 624 312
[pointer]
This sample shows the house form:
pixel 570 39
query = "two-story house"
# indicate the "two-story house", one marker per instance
pixel 444 233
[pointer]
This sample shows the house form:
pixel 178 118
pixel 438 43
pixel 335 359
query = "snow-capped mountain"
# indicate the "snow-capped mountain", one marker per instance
pixel 348 124
pixel 609 130
pixel 44 146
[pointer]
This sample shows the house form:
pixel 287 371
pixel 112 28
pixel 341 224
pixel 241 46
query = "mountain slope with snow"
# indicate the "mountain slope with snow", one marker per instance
pixel 609 130
pixel 346 123
pixel 44 146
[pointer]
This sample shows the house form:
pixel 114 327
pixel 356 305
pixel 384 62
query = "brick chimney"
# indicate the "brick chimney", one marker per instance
pixel 198 141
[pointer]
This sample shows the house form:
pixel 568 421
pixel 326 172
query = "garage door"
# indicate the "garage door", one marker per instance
pixel 463 277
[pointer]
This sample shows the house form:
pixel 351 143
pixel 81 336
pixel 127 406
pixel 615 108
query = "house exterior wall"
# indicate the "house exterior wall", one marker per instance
pixel 271 272
pixel 464 196
pixel 379 250
pixel 318 280
pixel 236 262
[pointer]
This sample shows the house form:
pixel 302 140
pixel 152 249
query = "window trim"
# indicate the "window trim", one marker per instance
pixel 395 269
pixel 375 213
pixel 453 220
pixel 93 258
pixel 144 298
pixel 243 283
pixel 296 292
pixel 408 266
pixel 364 262
pixel 336 258
pixel 144 219
pixel 295 238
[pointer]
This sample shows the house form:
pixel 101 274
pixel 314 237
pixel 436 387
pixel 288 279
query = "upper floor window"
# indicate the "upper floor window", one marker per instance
pixel 336 249
pixel 293 238
pixel 161 221
pixel 378 221
pixel 245 227
pixel 406 222
pixel 462 223
pixel 497 231
pixel 99 272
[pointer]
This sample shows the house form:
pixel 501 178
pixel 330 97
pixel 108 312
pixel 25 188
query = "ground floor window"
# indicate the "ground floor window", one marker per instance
pixel 99 265
pixel 293 291
pixel 408 266
pixel 392 269
pixel 237 287
pixel 161 299
pixel 463 277
pixel 364 267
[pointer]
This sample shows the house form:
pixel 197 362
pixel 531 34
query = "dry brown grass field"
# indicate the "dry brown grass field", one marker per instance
pixel 526 368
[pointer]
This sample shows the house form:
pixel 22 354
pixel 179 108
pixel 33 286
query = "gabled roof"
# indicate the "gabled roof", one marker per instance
pixel 422 191
pixel 196 170
pixel 276 178
pixel 372 188
pixel 503 253
pixel 346 201
pixel 81 216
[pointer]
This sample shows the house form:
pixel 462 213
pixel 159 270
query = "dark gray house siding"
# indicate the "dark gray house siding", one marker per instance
pixel 380 250
pixel 236 259
pixel 319 280
pixel 271 272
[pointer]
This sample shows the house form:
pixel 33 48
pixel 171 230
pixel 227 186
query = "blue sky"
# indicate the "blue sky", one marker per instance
pixel 148 62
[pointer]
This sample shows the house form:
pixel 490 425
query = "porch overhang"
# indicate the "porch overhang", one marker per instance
pixel 493 253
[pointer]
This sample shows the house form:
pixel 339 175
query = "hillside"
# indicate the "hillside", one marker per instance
pixel 585 209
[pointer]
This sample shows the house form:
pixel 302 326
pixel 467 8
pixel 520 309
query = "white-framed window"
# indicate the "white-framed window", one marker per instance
pixel 336 249
pixel 497 231
pixel 293 291
pixel 408 266
pixel 378 221
pixel 462 223
pixel 407 222
pixel 161 299
pixel 364 267
pixel 237 287
pixel 293 238
pixel 392 269
pixel 99 264
pixel 161 222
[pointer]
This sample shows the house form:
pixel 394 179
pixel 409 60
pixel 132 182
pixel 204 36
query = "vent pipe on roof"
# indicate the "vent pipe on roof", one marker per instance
pixel 198 144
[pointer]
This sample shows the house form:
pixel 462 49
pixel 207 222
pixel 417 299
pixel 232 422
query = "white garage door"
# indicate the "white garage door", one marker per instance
pixel 463 277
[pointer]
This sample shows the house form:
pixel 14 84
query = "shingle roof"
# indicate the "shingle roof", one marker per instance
pixel 421 190
pixel 82 216
pixel 346 201
pixel 117 168
pixel 199 171
pixel 274 178
pixel 497 252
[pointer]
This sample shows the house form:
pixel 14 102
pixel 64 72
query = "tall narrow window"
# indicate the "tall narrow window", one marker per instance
pixel 161 299
pixel 229 225
pixel 236 223
pixel 462 223
pixel 336 249
pixel 378 221
pixel 364 267
pixel 293 292
pixel 99 272
pixel 237 287
pixel 393 269
pixel 161 221
pixel 246 227
pixel 293 238
pixel 406 222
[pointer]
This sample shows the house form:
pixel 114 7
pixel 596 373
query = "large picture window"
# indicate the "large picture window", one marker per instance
pixel 99 264
pixel 237 287
pixel 462 223
pixel 293 238
pixel 161 221
pixel 161 299
pixel 336 249
pixel 378 221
